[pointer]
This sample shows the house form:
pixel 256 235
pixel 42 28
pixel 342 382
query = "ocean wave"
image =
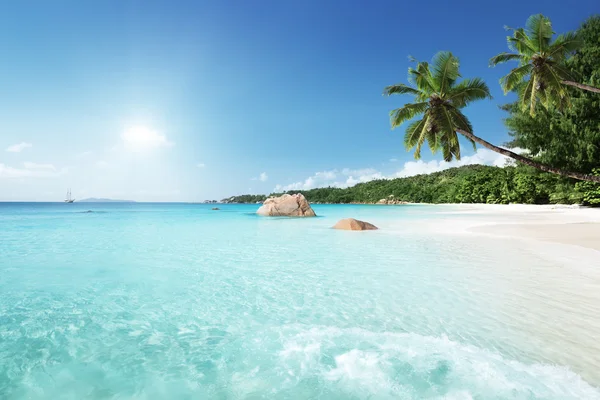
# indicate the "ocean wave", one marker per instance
pixel 356 363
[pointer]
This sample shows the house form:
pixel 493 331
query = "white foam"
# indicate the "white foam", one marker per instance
pixel 413 366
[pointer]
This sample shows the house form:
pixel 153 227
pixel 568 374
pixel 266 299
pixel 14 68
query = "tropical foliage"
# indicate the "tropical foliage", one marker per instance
pixel 468 184
pixel 590 191
pixel 245 198
pixel 541 71
pixel 439 98
pixel 569 139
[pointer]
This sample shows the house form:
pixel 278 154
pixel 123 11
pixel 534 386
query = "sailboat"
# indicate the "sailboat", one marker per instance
pixel 69 199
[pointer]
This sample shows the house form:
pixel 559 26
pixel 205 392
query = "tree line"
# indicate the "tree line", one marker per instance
pixel 556 119
pixel 467 184
pixel 543 79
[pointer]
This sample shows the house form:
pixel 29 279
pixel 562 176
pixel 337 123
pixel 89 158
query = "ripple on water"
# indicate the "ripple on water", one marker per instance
pixel 144 304
pixel 333 363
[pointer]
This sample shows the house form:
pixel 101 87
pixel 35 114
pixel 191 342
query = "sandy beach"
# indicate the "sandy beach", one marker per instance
pixel 585 234
pixel 568 225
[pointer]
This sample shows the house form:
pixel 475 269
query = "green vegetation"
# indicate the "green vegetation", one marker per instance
pixel 468 184
pixel 438 98
pixel 541 71
pixel 569 139
pixel 566 138
pixel 245 198
pixel 590 191
pixel 541 77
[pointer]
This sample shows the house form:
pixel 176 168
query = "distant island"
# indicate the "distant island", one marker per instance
pixel 101 200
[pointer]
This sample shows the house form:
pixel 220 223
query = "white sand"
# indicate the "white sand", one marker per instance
pixel 569 225
pixel 586 234
pixel 551 303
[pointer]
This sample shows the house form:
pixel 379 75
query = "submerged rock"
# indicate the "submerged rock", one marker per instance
pixel 215 208
pixel 351 224
pixel 294 205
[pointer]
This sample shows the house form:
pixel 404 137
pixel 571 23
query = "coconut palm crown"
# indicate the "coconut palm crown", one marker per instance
pixel 541 75
pixel 439 98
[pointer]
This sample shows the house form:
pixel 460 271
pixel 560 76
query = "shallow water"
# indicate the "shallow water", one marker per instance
pixel 152 301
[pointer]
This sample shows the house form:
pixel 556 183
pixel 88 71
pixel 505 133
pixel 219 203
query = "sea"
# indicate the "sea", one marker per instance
pixel 179 301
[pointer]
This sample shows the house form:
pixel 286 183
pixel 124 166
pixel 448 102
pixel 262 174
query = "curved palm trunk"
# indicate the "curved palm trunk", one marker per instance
pixel 582 86
pixel 528 161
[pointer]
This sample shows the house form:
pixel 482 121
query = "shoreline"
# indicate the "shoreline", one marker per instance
pixel 582 234
pixel 561 224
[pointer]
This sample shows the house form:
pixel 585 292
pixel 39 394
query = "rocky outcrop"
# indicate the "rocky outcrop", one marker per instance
pixel 391 200
pixel 215 208
pixel 351 224
pixel 287 205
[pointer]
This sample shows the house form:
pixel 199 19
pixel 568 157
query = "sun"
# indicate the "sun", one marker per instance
pixel 139 137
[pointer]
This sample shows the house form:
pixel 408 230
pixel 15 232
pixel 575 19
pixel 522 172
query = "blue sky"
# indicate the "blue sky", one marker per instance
pixel 185 101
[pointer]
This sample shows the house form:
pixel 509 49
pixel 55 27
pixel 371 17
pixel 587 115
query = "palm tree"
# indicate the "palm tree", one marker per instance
pixel 439 98
pixel 541 75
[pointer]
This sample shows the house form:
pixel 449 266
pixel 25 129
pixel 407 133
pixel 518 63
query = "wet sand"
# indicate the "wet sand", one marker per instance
pixel 585 234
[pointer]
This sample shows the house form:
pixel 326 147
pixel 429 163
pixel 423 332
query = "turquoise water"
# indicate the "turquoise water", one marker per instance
pixel 175 301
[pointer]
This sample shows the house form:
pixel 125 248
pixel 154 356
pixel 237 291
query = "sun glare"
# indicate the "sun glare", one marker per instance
pixel 143 138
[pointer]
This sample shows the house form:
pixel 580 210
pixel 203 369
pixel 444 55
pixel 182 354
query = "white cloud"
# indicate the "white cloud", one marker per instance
pixel 31 170
pixel 139 138
pixel 200 165
pixel 481 156
pixel 393 159
pixel 335 178
pixel 348 177
pixel 17 148
pixel 83 154
pixel 31 165
pixel 263 177
pixel 102 164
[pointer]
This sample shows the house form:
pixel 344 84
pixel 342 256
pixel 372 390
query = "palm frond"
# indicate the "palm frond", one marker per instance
pixel 454 145
pixel 421 77
pixel 400 88
pixel 524 91
pixel 442 119
pixel 521 43
pixel 432 141
pixel 468 91
pixel 516 75
pixel 445 70
pixel 533 95
pixel 564 45
pixel 563 72
pixel 450 134
pixel 463 123
pixel 539 30
pixel 409 111
pixel 545 98
pixel 504 57
pixel 411 136
pixel 445 146
pixel 460 120
pixel 421 131
pixel 557 93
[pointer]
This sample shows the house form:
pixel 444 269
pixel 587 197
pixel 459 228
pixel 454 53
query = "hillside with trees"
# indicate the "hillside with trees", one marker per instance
pixel 468 184
pixel 556 119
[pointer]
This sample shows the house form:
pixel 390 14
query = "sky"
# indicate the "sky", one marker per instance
pixel 194 100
